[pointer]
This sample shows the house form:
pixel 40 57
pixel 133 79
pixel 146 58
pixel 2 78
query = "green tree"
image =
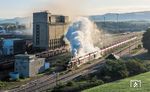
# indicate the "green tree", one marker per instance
pixel 2 84
pixel 135 67
pixel 146 40
pixel 71 83
pixel 115 69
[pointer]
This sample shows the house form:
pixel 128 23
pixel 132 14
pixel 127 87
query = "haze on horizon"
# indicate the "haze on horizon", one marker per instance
pixel 22 8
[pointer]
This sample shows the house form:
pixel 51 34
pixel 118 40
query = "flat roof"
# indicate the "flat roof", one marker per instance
pixel 42 12
pixel 24 56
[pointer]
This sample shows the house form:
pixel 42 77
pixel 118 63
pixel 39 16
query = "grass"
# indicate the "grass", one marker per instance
pixel 134 51
pixel 124 85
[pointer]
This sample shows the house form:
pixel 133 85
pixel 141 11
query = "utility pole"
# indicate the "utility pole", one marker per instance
pixel 118 22
pixel 104 20
pixel 104 33
pixel 56 77
pixel 117 17
pixel 129 47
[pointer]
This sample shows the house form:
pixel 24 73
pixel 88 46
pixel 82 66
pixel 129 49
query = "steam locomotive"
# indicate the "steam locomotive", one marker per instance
pixel 77 62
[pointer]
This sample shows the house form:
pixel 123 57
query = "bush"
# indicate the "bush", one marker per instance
pixel 115 69
pixel 58 88
pixel 135 67
pixel 107 78
pixel 93 79
pixel 146 40
pixel 98 82
pixel 147 65
pixel 2 84
pixel 71 83
pixel 90 84
pixel 87 77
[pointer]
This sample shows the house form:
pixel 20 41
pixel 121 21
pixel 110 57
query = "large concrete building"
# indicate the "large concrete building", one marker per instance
pixel 28 65
pixel 48 30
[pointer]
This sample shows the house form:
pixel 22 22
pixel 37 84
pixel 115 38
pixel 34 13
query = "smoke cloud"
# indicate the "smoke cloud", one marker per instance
pixel 81 34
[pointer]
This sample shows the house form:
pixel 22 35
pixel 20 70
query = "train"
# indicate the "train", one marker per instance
pixel 76 62
pixel 6 63
pixel 54 52
pixel 9 63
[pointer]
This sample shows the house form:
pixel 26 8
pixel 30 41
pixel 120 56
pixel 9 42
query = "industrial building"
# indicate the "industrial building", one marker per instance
pixel 2 30
pixel 6 36
pixel 48 30
pixel 28 65
pixel 12 46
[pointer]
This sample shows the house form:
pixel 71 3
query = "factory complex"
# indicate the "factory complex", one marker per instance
pixel 48 36
pixel 48 30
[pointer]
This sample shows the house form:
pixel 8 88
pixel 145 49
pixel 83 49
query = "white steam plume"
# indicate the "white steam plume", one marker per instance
pixel 81 34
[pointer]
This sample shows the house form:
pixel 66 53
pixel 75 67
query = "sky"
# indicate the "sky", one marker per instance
pixel 22 8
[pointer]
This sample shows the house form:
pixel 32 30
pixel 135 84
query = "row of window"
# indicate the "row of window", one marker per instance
pixel 37 34
pixel 53 47
pixel 54 41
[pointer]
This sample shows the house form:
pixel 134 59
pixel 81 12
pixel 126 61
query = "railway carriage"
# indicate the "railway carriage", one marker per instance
pixel 77 62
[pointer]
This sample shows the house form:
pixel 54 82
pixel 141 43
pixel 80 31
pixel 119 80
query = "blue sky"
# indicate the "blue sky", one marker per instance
pixel 21 8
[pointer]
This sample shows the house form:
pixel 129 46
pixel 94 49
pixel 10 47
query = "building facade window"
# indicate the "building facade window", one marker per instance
pixel 37 34
pixel 50 19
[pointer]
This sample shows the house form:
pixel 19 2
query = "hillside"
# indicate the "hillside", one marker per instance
pixel 124 85
pixel 20 20
pixel 126 26
pixel 133 16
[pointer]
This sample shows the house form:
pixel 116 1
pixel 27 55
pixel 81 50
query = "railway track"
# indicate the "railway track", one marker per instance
pixel 50 81
pixel 50 53
pixel 9 61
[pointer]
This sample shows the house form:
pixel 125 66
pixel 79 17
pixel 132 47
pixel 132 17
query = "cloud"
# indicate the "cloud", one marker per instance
pixel 71 7
pixel 89 7
pixel 119 9
pixel 66 7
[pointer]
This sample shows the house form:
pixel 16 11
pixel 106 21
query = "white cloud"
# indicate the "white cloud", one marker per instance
pixel 72 7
